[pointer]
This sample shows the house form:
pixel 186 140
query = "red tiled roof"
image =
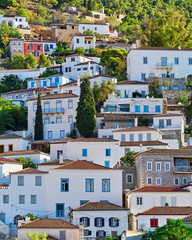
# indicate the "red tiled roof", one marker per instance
pixel 48 223
pixel 64 140
pixel 83 165
pixel 22 152
pixel 28 170
pixel 144 143
pixel 131 82
pixel 167 211
pixel 187 219
pixel 159 189
pixel 56 96
pixel 99 206
pixel 137 129
pixel 156 151
pixel 4 160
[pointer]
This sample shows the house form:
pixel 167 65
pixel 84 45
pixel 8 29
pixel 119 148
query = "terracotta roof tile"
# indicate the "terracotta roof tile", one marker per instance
pixel 98 206
pixel 22 152
pixel 156 151
pixel 144 143
pixel 9 135
pixel 56 96
pixel 137 129
pixel 28 170
pixel 163 48
pixel 131 82
pixel 6 160
pixel 83 165
pixel 159 189
pixel 167 211
pixel 48 223
pixel 187 219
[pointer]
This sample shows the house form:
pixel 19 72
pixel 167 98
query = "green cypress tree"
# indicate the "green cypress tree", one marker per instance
pixel 38 121
pixel 86 113
pixel 89 5
pixel 85 3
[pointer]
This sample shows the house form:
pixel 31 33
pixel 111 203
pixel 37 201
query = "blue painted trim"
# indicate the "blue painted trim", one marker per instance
pixel 20 182
pixel 37 181
pixel 103 184
pixel 84 152
pixel 86 180
pixel 68 184
pixel 108 152
pixel 83 202
pixel 107 164
pixel 63 209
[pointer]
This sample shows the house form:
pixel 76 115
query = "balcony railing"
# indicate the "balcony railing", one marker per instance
pixel 53 110
pixel 174 126
pixel 182 169
pixel 164 65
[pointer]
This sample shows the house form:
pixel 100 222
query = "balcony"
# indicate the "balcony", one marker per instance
pixel 53 110
pixel 182 169
pixel 164 65
pixel 174 126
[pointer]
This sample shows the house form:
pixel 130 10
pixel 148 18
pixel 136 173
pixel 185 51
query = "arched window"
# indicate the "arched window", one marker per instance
pixel 15 221
pixel 10 23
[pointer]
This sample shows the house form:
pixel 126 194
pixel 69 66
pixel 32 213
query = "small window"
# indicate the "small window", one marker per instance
pixel 78 69
pixel 169 122
pixel 158 181
pixel 122 137
pixel 60 210
pixel 85 221
pixel 185 181
pixel 107 164
pixel 21 199
pixel 69 69
pixel 72 59
pixel 140 137
pixel 38 181
pixel 20 181
pixel 51 46
pixel 148 136
pixel 167 166
pixel 85 69
pixel 62 133
pixel 175 88
pixel 108 152
pixel 158 166
pixel 77 40
pixel 149 166
pixel 84 152
pixel 46 121
pixel 146 108
pixel 89 185
pixel 49 134
pixel 139 201
pixel 30 47
pixel 5 199
pixel 34 107
pixel 70 104
pixel 10 147
pixel 38 47
pixel 127 150
pixel 99 222
pixel 44 83
pixel 129 178
pixel 137 108
pixel 172 75
pixel 190 61
pixel 64 185
pixel 173 201
pixel 163 75
pixel 143 76
pixel 157 108
pixel 105 185
pixel 33 199
pixel 145 60
pixel 131 137
pixel 176 60
pixel 149 181
pixel 70 119
pixel 113 222
pixel 58 119
pixel 176 181
pixel 82 202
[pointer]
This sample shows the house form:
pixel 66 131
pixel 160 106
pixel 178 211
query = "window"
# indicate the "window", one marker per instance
pixel 85 221
pixel 111 136
pixel 105 185
pixel 44 83
pixel 34 107
pixel 89 42
pixel 70 119
pixel 82 202
pixel 149 166
pixel 173 201
pixel 190 61
pixel 139 201
pixel 38 47
pixel 85 69
pixel 143 76
pixel 69 69
pixel 89 185
pixel 58 119
pixel 176 60
pixel 99 222
pixel 148 136
pixel 5 198
pixel 169 122
pixel 10 147
pixel 100 233
pixel 87 233
pixel 158 166
pixel 153 222
pixel 33 199
pixel 163 75
pixel 116 124
pixel 62 133
pixel 38 181
pixel 167 166
pixel 49 134
pixel 163 201
pixel 113 222
pixel 158 181
pixel 175 88
pixel 107 163
pixel 84 152
pixel 70 104
pixel 131 137
pixel 145 60
pixel 21 199
pixel 149 181
pixel 140 137
pixel 30 47
pixel 108 152
pixel 158 108
pixel 122 137
pixel 20 181
pixel 127 150
pixel 59 152
pixel 46 120
pixel 95 29
pixel 72 59
pixel 129 178
pixel 60 210
pixel 185 181
pixel 146 108
pixel 172 75
pixel 78 69
pixel 64 185
pixel 51 46
pixel 62 235
pixel 137 108
pixel 176 181
pixel 77 40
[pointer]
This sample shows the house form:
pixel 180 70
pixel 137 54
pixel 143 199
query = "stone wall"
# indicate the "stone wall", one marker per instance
pixel 173 96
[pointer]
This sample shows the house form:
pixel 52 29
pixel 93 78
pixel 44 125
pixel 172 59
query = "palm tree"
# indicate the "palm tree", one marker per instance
pixel 6 120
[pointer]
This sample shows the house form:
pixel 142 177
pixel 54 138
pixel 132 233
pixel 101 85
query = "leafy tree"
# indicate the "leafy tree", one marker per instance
pixel 44 61
pixel 113 21
pixel 183 97
pixel 165 84
pixel 31 216
pixel 129 158
pixel 7 3
pixel 6 120
pixel 143 121
pixel 62 49
pixel 38 120
pixel 18 61
pixel 30 61
pixel 27 162
pixel 47 73
pixel 174 229
pixel 85 3
pixel 154 86
pixel 80 51
pixel 11 82
pixel 73 133
pixel 115 61
pixel 86 112
pixel 23 12
pixel 93 50
pixel 36 236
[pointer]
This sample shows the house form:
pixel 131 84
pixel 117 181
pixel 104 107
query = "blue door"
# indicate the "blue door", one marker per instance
pixel 56 81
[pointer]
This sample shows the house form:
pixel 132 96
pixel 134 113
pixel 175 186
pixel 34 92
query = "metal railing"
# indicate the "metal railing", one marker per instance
pixel 53 110
pixel 167 127
pixel 164 65
pixel 182 169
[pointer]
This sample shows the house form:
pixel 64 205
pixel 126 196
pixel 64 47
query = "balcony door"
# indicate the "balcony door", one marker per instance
pixel 46 107
pixel 161 123
pixel 58 106
pixel 163 61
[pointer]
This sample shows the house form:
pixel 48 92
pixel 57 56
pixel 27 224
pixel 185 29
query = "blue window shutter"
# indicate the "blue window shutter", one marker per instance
pixel 88 222
pixel 104 233
pixel 97 234
pixel 81 220
pixel 109 222
pixel 117 222
pixel 90 233
pixel 95 222
pixel 103 223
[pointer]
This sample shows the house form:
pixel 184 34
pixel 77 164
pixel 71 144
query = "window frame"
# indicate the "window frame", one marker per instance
pixel 67 182
pixel 87 184
pixel 139 200
pixel 108 185
pixel 33 197
pixel 84 152
pixel 108 152
pixel 127 176
pixel 18 181
pixel 37 182
pixel 158 168
pixel 149 169
pixel 167 163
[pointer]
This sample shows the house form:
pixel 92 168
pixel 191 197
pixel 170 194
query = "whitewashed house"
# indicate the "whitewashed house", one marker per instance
pixel 83 41
pixel 59 112
pixel 35 155
pixel 144 62
pixel 101 151
pixel 101 219
pixel 102 29
pixel 14 21
pixel 12 142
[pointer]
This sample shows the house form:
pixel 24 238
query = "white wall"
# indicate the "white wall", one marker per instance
pixel 177 122
pixel 102 29
pixel 18 144
pixel 16 21
pixel 85 42
pixel 132 88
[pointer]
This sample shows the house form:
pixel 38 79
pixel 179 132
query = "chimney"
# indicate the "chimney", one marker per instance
pixel 78 81
pixel 60 158
pixel 136 122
